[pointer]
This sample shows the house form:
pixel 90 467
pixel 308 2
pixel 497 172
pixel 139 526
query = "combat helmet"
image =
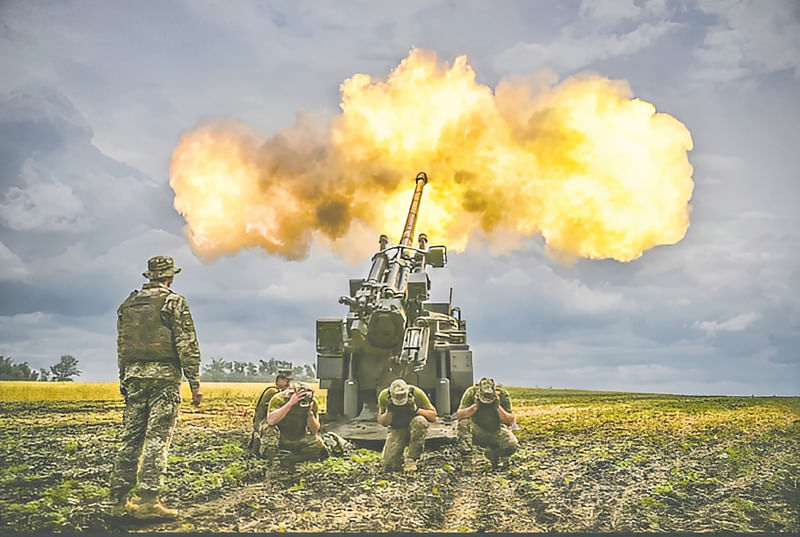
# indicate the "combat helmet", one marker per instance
pixel 486 390
pixel 398 392
pixel 306 394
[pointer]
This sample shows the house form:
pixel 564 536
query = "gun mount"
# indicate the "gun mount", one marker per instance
pixel 392 331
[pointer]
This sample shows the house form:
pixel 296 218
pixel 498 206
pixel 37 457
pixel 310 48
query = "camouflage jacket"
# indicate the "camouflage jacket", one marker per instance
pixel 183 353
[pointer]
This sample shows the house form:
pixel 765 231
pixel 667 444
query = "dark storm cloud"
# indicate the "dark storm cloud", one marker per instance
pixel 65 206
pixel 25 298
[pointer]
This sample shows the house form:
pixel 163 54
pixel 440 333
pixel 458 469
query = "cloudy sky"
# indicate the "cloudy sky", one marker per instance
pixel 94 96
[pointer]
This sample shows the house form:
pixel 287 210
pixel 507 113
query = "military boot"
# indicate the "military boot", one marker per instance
pixel 286 460
pixel 119 501
pixel 150 508
pixel 119 510
pixel 498 462
pixel 494 459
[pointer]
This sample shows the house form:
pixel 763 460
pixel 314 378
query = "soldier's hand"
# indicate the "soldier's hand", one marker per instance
pixel 294 398
pixel 197 396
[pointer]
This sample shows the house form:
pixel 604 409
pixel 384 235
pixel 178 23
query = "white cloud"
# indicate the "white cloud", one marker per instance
pixel 570 294
pixel 45 337
pixel 571 52
pixel 49 206
pixel 581 298
pixel 11 267
pixel 734 324
pixel 596 35
pixel 608 12
pixel 750 39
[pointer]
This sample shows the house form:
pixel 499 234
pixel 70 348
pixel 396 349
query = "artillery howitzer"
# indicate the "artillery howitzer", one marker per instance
pixel 391 332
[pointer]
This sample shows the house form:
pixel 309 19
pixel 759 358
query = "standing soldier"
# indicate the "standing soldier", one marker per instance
pixel 156 341
pixel 281 384
pixel 485 420
pixel 407 411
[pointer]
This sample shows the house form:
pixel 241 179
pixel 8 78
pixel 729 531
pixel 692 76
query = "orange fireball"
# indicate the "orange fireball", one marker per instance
pixel 597 173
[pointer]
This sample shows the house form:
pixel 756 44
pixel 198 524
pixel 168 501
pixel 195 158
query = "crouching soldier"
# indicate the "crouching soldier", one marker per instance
pixel 292 424
pixel 485 420
pixel 407 411
pixel 262 406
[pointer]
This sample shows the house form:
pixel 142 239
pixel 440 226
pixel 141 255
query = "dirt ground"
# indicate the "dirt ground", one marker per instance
pixel 588 462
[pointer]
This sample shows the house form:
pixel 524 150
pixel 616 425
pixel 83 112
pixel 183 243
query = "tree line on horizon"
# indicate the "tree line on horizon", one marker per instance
pixel 221 370
pixel 62 371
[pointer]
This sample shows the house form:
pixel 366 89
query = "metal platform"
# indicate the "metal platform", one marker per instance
pixel 367 432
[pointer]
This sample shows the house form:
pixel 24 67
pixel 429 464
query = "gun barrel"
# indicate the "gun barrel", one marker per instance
pixel 411 219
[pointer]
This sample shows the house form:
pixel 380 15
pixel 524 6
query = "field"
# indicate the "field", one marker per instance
pixel 588 462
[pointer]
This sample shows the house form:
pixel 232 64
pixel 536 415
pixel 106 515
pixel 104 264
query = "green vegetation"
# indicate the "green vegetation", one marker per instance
pixel 221 370
pixel 11 371
pixel 64 370
pixel 588 462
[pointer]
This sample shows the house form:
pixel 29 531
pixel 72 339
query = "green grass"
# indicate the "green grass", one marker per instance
pixel 660 462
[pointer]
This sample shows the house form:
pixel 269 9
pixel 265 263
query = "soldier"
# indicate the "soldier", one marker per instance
pixel 293 424
pixel 281 384
pixel 485 419
pixel 407 411
pixel 156 341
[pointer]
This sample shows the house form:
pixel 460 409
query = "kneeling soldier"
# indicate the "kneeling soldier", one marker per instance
pixel 262 406
pixel 485 420
pixel 407 411
pixel 292 424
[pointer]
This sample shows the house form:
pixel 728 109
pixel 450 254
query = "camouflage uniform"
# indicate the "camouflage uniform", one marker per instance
pixel 156 343
pixel 260 416
pixel 484 427
pixel 406 430
pixel 291 433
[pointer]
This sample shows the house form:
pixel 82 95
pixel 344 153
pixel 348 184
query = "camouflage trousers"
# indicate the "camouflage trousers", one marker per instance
pixel 306 448
pixel 501 443
pixel 399 438
pixel 151 411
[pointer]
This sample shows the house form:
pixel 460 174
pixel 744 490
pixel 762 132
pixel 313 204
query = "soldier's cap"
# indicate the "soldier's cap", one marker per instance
pixel 284 374
pixel 159 267
pixel 486 390
pixel 306 394
pixel 398 392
